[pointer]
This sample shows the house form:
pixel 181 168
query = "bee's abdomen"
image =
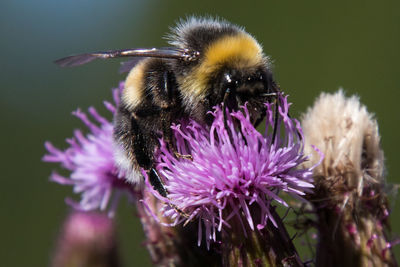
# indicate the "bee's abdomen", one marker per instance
pixel 149 105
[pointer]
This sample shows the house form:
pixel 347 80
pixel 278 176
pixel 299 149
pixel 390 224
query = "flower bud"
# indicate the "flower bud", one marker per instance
pixel 87 239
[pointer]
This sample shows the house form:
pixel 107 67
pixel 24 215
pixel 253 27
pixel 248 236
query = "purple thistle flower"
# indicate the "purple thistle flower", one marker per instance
pixel 90 159
pixel 232 173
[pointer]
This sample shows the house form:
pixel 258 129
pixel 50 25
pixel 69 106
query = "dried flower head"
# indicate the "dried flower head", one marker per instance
pixel 91 161
pixel 233 171
pixel 348 134
pixel 349 195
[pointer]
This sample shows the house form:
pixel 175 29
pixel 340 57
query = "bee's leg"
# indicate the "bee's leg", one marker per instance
pixel 226 109
pixel 138 144
pixel 276 115
pixel 167 119
pixel 179 155
pixel 269 94
pixel 158 185
pixel 168 136
pixel 274 91
pixel 156 182
pixel 226 97
pixel 259 120
pixel 276 119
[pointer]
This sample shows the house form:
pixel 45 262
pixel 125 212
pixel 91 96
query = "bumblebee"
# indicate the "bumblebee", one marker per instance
pixel 209 62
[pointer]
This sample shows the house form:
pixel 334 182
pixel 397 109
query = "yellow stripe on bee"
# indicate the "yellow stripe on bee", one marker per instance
pixel 240 50
pixel 134 85
pixel 232 51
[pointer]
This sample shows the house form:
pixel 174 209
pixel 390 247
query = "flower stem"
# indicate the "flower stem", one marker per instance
pixel 172 246
pixel 270 246
pixel 353 236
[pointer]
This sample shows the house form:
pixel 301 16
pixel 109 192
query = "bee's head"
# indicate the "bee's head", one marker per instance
pixel 237 87
pixel 246 85
pixel 231 67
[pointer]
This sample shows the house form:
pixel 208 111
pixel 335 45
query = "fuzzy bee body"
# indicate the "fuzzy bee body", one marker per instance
pixel 210 62
pixel 150 103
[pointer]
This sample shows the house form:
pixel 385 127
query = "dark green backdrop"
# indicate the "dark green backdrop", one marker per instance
pixel 316 47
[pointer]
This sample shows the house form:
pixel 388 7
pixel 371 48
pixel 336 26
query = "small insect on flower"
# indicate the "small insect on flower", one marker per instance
pixel 233 170
pixel 209 61
pixel 90 159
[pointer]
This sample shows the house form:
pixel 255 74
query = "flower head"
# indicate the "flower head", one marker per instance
pixel 87 239
pixel 233 170
pixel 90 159
pixel 350 182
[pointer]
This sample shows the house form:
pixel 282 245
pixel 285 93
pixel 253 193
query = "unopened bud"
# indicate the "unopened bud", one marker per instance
pixel 87 239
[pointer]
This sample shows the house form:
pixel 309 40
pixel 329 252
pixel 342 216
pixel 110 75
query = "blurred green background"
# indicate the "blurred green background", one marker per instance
pixel 316 46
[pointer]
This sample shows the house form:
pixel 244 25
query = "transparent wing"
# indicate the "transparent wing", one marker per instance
pixel 167 52
pixel 126 66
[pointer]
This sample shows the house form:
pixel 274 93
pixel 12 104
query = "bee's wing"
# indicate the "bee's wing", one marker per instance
pixel 126 66
pixel 81 59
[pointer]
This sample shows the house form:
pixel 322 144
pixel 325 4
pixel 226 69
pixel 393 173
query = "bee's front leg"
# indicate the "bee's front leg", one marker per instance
pixel 168 136
pixel 168 113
